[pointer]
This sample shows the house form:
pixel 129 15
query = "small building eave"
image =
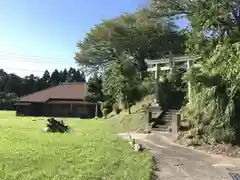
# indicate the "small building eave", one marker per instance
pixel 21 103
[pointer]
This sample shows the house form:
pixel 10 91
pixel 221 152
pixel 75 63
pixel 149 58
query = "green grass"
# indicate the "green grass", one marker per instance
pixel 125 122
pixel 89 152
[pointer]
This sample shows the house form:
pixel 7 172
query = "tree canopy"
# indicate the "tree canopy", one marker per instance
pixel 121 82
pixel 218 17
pixel 94 91
pixel 140 35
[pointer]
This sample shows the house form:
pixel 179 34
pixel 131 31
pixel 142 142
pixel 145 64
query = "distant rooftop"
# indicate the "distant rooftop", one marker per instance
pixel 68 91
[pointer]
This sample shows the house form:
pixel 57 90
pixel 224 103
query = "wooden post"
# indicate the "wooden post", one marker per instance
pixel 176 123
pixel 189 83
pixel 171 62
pixel 157 84
pixel 96 110
pixel 157 72
pixel 70 108
pixel 148 115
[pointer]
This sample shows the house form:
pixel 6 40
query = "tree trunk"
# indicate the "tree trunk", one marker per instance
pixel 129 110
pixel 157 92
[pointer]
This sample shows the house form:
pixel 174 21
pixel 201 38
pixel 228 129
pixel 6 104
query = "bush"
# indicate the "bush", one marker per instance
pixel 105 112
pixel 148 84
pixel 223 135
pixel 116 108
pixel 54 125
pixel 106 105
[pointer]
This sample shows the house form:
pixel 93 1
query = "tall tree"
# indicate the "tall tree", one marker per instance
pixel 121 82
pixel 55 78
pixel 13 84
pixel 64 74
pixel 46 77
pixel 29 84
pixel 3 79
pixel 70 75
pixel 78 76
pixel 44 81
pixel 94 88
pixel 219 18
pixel 7 100
pixel 140 35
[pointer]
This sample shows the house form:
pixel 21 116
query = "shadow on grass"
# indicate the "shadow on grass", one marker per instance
pixel 154 170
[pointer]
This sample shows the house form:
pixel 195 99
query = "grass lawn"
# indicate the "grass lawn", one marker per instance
pixel 89 152
pixel 130 122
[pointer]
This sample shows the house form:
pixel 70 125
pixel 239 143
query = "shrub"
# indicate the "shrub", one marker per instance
pixel 147 85
pixel 116 108
pixel 106 105
pixel 223 135
pixel 54 125
pixel 105 112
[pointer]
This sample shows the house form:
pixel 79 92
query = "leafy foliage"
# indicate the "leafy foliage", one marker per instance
pixel 94 88
pixel 148 84
pixel 214 34
pixel 210 21
pixel 116 108
pixel 216 93
pixel 121 82
pixel 171 89
pixel 7 100
pixel 140 35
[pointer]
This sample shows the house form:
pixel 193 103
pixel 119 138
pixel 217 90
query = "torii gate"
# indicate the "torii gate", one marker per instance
pixel 164 64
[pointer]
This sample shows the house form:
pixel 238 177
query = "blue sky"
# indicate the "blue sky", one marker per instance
pixel 42 34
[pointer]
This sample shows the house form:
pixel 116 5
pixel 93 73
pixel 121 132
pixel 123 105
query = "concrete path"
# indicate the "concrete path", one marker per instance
pixel 175 162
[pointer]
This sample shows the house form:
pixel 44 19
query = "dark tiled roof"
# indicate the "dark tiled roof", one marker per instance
pixel 69 91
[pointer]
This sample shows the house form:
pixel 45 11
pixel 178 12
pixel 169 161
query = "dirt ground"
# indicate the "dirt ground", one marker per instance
pixel 176 162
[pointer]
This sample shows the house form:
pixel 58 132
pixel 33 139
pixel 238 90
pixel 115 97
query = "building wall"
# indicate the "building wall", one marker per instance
pixel 22 110
pixel 59 110
pixel 80 109
pixel 56 109
pixel 85 110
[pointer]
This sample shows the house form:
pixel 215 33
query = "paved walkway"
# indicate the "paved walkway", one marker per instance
pixel 175 162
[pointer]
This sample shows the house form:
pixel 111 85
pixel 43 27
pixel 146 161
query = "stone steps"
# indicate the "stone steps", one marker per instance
pixel 165 121
pixel 160 129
